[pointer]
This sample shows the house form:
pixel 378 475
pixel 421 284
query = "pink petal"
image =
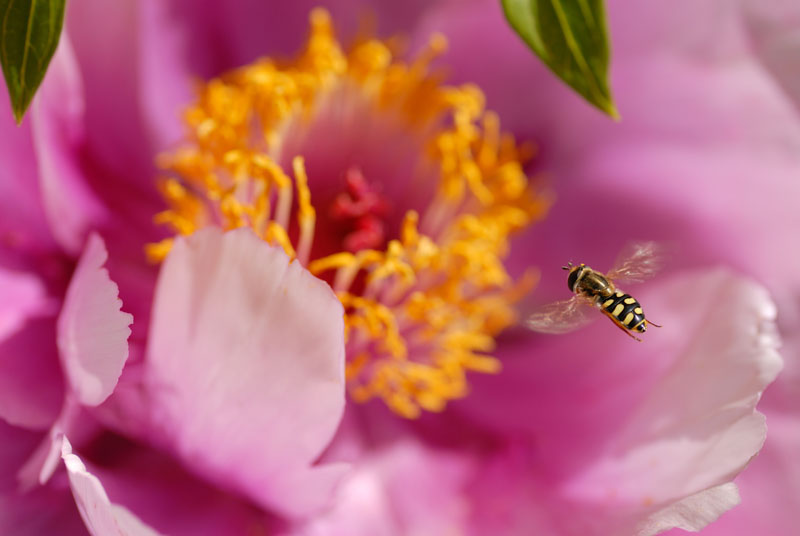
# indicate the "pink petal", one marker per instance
pixel 166 76
pixel 22 295
pixel 180 40
pixel 246 368
pixel 697 428
pixel 168 498
pixel 699 111
pixel 23 225
pixel 620 431
pixel 41 465
pixel 774 32
pixel 45 510
pixel 516 84
pixel 44 461
pixel 92 330
pixel 105 40
pixel 770 487
pixel 31 384
pixel 57 128
pixel 101 516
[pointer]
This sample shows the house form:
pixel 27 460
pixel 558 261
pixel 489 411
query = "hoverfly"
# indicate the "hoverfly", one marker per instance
pixel 593 289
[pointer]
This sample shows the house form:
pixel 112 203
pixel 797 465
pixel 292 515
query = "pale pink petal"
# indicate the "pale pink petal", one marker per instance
pixel 92 330
pixel 41 465
pixel 57 118
pixel 614 431
pixel 101 516
pixel 43 462
pixel 770 487
pixel 402 488
pixel 692 513
pixel 246 368
pixel 774 30
pixel 697 428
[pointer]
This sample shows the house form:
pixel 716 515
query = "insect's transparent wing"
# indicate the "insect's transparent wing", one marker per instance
pixel 637 262
pixel 561 316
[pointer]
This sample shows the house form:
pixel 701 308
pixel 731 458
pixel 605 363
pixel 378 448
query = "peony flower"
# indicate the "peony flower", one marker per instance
pixel 357 183
pixel 65 342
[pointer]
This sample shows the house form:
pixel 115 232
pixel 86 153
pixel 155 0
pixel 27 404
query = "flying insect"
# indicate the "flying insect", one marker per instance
pixel 597 290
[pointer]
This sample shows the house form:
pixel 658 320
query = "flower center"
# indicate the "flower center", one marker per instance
pixel 418 193
pixel 363 207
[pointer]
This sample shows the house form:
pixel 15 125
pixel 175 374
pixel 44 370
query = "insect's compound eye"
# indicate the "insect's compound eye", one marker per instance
pixel 573 277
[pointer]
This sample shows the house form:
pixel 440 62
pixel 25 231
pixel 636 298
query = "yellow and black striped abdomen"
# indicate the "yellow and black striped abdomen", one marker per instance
pixel 625 310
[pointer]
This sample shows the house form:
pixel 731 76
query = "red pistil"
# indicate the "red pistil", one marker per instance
pixel 364 208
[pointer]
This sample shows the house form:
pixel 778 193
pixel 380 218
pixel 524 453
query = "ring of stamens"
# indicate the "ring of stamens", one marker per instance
pixel 425 309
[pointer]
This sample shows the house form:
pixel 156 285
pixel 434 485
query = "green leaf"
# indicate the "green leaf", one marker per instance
pixel 570 37
pixel 29 32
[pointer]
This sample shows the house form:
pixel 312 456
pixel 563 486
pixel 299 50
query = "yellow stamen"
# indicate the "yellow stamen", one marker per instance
pixel 277 235
pixel 306 216
pixel 423 311
pixel 158 252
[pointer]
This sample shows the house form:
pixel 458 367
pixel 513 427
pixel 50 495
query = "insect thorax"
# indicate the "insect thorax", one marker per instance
pixel 594 285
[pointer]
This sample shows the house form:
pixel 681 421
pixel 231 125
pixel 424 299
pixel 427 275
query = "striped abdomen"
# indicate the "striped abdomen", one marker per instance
pixel 626 310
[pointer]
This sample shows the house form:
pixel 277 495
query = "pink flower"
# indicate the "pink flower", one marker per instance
pixel 65 343
pixel 234 373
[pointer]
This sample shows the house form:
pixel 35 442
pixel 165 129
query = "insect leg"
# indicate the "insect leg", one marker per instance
pixel 616 323
pixel 628 333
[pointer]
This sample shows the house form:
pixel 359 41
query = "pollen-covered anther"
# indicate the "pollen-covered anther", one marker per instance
pixel 424 286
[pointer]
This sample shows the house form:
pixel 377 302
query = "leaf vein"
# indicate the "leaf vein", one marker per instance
pixel 575 49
